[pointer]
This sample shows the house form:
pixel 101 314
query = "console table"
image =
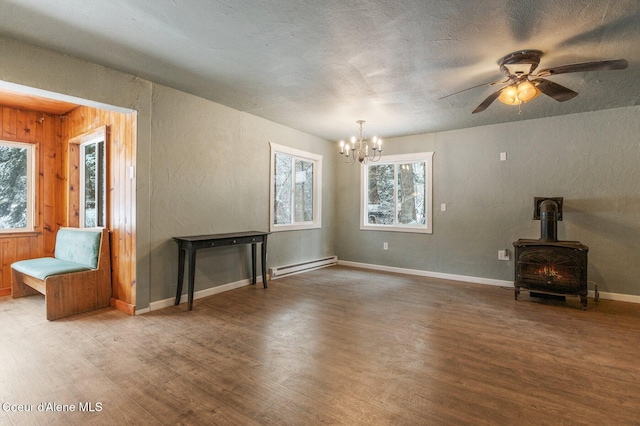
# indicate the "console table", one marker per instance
pixel 189 245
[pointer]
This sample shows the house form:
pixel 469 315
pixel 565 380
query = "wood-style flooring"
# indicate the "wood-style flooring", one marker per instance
pixel 333 346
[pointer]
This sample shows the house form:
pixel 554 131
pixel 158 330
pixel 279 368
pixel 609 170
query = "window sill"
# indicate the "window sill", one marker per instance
pixel 278 228
pixel 19 234
pixel 396 229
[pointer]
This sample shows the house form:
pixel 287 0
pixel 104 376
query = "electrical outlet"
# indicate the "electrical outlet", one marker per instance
pixel 503 254
pixel 503 156
pixel 385 246
pixel 443 207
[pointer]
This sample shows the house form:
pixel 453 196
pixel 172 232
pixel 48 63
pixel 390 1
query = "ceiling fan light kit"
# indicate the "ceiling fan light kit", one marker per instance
pixel 519 93
pixel 522 85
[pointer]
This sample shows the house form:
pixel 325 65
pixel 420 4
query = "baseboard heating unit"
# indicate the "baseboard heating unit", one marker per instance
pixel 296 268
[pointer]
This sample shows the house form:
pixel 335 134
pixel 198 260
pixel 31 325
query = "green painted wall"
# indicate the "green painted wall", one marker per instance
pixel 590 159
pixel 210 174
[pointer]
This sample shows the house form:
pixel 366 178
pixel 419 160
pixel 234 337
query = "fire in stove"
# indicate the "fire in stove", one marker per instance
pixel 549 271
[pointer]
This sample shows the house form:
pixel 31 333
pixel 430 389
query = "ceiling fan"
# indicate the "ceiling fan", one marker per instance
pixel 522 85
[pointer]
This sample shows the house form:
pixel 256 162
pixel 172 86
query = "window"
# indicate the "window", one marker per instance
pixel 17 195
pixel 296 182
pixel 87 194
pixel 92 188
pixel 397 194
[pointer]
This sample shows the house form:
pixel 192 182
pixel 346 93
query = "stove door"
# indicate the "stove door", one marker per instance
pixel 551 269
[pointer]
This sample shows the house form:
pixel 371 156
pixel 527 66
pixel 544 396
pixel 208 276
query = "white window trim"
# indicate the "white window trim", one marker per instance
pixel 31 183
pixel 427 228
pixel 317 188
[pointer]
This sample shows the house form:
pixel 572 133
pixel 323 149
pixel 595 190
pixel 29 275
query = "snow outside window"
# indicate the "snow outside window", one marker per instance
pixel 397 193
pixel 296 188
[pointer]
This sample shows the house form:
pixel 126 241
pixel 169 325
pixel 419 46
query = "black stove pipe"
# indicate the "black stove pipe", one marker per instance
pixel 549 220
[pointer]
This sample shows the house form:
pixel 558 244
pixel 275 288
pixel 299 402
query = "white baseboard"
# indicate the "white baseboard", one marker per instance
pixel 617 296
pixel 488 281
pixel 298 268
pixel 198 294
pixel 477 280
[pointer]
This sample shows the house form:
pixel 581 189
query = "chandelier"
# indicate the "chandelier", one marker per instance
pixel 360 150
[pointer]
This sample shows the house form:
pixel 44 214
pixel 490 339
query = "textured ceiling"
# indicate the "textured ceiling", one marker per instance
pixel 318 66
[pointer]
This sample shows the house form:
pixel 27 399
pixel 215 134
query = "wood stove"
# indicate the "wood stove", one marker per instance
pixel 548 266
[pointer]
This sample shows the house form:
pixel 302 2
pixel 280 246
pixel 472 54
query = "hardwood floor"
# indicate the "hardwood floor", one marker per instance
pixel 332 346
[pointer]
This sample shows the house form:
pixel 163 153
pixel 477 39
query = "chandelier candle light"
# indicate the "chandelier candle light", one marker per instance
pixel 359 149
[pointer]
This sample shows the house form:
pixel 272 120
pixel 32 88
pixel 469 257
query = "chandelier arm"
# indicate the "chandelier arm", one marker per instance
pixel 349 159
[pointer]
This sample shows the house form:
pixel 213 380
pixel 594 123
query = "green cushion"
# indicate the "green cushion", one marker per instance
pixel 46 266
pixel 80 246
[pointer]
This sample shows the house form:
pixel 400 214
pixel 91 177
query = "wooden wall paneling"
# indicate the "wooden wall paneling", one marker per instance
pixel 72 184
pixel 39 130
pixel 22 126
pixel 73 126
pixel 24 247
pixel 114 206
pixel 128 202
pixel 49 169
pixel 131 120
pixel 119 201
pixel 15 249
pixel 9 124
pixel 43 130
pixel 94 118
pixel 120 147
pixel 7 256
pixel 62 179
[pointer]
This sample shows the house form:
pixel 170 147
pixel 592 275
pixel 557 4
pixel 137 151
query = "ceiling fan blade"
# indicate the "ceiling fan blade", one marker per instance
pixel 492 97
pixel 493 83
pixel 616 64
pixel 554 90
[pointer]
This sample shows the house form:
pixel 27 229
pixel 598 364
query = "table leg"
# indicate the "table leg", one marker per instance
pixel 253 263
pixel 180 274
pixel 263 259
pixel 192 273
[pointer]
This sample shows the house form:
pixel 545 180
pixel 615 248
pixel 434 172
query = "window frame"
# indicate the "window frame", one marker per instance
pixel 296 154
pixel 75 197
pixel 101 176
pixel 31 186
pixel 427 228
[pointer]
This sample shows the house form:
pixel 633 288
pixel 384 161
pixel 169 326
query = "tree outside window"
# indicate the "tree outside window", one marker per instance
pixel 16 193
pixel 295 189
pixel 397 194
pixel 93 190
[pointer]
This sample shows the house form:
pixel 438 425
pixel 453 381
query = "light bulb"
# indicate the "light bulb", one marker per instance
pixel 509 96
pixel 527 91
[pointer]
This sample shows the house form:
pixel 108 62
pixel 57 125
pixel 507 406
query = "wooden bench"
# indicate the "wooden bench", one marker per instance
pixel 77 279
